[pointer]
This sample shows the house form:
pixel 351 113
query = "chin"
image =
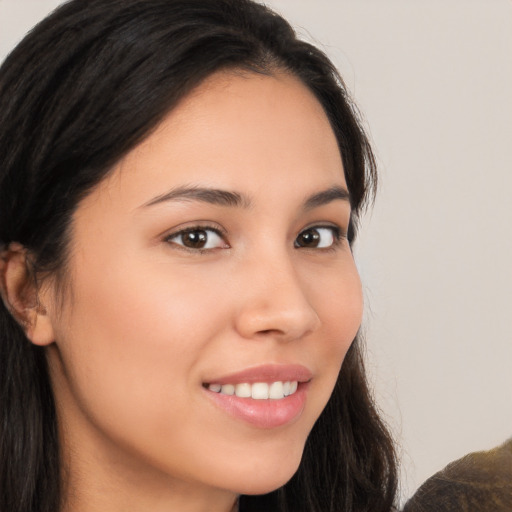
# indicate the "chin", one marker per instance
pixel 264 485
pixel 265 478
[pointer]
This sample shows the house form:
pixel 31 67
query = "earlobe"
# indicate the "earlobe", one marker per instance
pixel 20 295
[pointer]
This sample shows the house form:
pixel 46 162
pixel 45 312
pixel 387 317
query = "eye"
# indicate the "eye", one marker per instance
pixel 198 238
pixel 318 237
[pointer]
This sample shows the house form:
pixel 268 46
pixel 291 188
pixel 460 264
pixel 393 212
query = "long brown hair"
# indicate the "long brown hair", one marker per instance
pixel 82 89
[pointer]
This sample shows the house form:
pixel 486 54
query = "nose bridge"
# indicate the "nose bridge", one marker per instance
pixel 275 301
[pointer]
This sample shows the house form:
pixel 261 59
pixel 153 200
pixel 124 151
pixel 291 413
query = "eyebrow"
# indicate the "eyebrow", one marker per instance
pixel 207 195
pixel 327 196
pixel 221 197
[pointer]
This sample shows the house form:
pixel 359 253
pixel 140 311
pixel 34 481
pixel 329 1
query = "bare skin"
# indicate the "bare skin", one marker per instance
pixel 149 321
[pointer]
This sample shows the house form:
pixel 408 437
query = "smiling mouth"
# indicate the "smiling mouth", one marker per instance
pixel 257 391
pixel 266 396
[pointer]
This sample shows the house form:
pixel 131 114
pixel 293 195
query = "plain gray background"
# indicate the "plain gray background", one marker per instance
pixel 434 80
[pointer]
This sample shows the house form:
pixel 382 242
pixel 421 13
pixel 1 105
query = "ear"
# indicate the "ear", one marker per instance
pixel 20 294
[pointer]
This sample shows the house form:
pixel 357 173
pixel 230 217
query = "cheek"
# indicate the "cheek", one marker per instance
pixel 339 300
pixel 136 338
pixel 131 342
pixel 336 294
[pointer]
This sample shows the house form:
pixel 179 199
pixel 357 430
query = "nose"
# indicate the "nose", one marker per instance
pixel 274 302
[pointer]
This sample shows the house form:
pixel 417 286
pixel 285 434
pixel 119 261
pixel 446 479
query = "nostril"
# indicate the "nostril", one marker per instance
pixel 285 313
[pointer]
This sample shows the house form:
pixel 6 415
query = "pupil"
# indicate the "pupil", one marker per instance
pixel 310 238
pixel 195 239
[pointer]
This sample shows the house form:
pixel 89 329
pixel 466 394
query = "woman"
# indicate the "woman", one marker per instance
pixel 180 185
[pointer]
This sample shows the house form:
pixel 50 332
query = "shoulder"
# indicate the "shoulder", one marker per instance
pixel 478 482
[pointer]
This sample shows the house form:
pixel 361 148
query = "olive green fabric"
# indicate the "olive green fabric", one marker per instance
pixel 478 482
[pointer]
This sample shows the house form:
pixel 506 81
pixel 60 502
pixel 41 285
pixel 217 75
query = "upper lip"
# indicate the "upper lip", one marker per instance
pixel 266 373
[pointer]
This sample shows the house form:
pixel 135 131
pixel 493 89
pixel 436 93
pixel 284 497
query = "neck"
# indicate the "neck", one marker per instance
pixel 86 494
pixel 102 479
pixel 101 474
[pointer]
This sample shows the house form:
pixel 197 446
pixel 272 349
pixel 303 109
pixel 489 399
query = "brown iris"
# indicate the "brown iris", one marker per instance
pixel 308 238
pixel 195 238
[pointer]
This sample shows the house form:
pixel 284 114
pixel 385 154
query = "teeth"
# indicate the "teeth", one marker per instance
pixel 276 390
pixel 260 391
pixel 257 391
pixel 228 389
pixel 243 390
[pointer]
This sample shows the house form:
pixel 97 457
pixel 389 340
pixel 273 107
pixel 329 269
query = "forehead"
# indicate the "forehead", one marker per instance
pixel 239 131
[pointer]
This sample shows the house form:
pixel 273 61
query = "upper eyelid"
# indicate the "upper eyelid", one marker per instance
pixel 339 236
pixel 192 227
pixel 326 225
pixel 170 239
pixel 341 232
pixel 219 230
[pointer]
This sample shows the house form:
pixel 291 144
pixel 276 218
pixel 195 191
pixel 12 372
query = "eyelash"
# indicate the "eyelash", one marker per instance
pixel 203 227
pixel 338 236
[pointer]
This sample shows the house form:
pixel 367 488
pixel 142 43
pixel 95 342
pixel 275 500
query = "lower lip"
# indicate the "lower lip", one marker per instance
pixel 268 413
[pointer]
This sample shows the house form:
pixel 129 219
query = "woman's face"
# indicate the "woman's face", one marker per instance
pixel 213 256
